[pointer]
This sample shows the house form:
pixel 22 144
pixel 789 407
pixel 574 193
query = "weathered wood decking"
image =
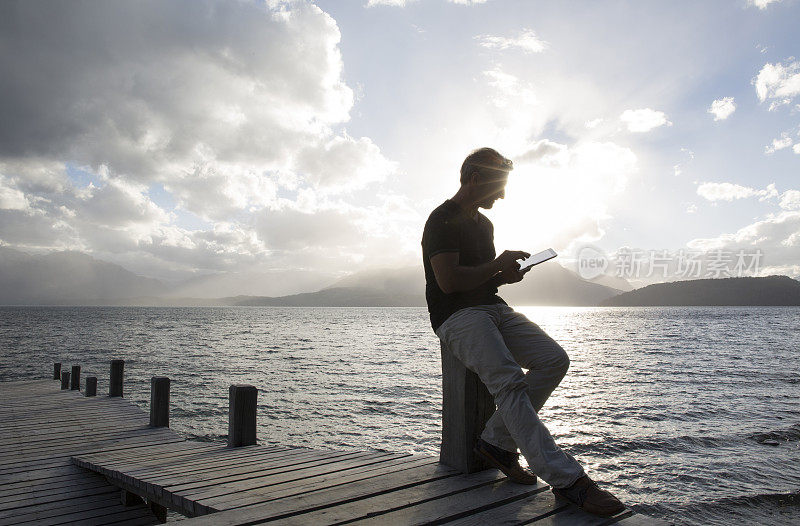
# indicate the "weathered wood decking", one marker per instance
pixel 41 428
pixel 111 446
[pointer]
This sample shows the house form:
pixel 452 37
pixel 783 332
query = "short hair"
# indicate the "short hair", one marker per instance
pixel 485 161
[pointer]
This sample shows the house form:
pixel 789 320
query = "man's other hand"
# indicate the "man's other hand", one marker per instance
pixel 508 261
pixel 513 276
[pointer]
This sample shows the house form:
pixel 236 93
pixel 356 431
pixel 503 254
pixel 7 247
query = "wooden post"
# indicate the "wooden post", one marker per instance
pixel 115 384
pixel 91 386
pixel 127 499
pixel 75 381
pixel 466 406
pixel 64 381
pixel 159 511
pixel 159 401
pixel 242 415
pixel 57 371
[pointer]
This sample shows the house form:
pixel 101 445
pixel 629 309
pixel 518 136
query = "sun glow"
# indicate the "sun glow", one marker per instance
pixel 561 198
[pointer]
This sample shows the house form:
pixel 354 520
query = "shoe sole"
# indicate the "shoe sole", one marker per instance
pixel 600 513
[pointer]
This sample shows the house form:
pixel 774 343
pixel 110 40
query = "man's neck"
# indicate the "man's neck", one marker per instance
pixel 463 199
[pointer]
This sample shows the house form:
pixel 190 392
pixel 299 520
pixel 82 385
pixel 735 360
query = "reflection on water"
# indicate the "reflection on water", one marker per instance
pixel 687 413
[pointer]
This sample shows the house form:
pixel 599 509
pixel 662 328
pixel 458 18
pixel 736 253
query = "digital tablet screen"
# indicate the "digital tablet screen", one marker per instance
pixel 539 257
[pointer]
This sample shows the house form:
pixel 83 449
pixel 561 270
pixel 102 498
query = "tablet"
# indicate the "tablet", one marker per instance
pixel 537 258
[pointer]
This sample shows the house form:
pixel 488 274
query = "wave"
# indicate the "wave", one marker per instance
pixel 774 438
pixel 684 443
pixel 766 508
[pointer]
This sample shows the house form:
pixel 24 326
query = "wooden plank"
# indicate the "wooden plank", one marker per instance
pixel 282 476
pixel 183 458
pixel 290 504
pixel 54 509
pixel 574 516
pixel 107 515
pixel 522 511
pixel 458 505
pixel 315 484
pixel 393 500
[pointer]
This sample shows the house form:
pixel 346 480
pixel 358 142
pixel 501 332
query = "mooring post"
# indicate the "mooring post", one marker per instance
pixel 57 371
pixel 75 381
pixel 64 381
pixel 466 406
pixel 91 386
pixel 115 383
pixel 242 415
pixel 159 401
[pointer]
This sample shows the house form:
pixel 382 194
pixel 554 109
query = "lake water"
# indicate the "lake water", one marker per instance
pixel 691 414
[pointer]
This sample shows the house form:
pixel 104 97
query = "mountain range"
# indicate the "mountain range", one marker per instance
pixel 74 278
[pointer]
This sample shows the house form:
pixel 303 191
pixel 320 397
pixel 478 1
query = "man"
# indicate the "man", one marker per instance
pixel 462 276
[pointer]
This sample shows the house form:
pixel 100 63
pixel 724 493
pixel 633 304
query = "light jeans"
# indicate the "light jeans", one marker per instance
pixel 495 342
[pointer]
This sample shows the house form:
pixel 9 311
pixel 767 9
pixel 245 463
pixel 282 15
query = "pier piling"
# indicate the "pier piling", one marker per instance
pixel 91 386
pixel 64 381
pixel 75 379
pixel 115 383
pixel 242 415
pixel 159 401
pixel 57 371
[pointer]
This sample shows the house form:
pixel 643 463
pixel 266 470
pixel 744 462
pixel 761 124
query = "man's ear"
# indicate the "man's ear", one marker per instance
pixel 474 178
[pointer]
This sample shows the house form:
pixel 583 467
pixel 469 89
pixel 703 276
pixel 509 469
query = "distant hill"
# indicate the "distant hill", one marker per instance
pixel 334 297
pixel 67 278
pixel 547 284
pixel 254 283
pixel 770 290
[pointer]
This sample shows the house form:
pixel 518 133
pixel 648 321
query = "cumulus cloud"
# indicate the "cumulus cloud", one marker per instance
pixel 403 3
pixel 790 200
pixel 230 109
pixel 732 192
pixel 777 237
pixel 526 41
pixel 761 4
pixel 722 108
pixel 778 83
pixel 778 144
pixel 643 120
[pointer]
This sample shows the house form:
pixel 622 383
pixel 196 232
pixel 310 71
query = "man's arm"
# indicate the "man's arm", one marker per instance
pixel 452 277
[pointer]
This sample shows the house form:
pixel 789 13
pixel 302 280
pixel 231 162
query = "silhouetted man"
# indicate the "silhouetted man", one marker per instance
pixel 462 275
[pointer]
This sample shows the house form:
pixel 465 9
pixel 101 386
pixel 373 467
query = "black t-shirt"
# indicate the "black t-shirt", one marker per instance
pixel 450 229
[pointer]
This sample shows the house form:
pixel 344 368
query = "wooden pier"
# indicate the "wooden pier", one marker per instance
pixel 67 458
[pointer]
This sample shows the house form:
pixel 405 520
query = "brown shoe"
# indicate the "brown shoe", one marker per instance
pixel 505 461
pixel 588 496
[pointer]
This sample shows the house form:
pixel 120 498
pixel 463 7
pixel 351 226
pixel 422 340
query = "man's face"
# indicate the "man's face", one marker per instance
pixel 490 188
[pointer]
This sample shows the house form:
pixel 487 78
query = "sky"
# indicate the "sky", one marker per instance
pixel 192 137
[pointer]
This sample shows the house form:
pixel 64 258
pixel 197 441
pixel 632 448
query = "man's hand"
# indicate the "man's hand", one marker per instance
pixel 508 261
pixel 513 276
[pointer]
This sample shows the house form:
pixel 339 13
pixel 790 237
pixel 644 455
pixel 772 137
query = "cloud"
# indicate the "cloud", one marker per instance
pixel 761 4
pixel 344 163
pixel 731 192
pixel 778 83
pixel 403 3
pixel 231 111
pixel 11 198
pixel 526 41
pixel 778 144
pixel 722 108
pixel 643 120
pixel 777 236
pixel 796 148
pixel 790 200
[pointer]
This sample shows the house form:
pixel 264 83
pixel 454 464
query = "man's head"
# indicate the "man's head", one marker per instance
pixel 484 173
